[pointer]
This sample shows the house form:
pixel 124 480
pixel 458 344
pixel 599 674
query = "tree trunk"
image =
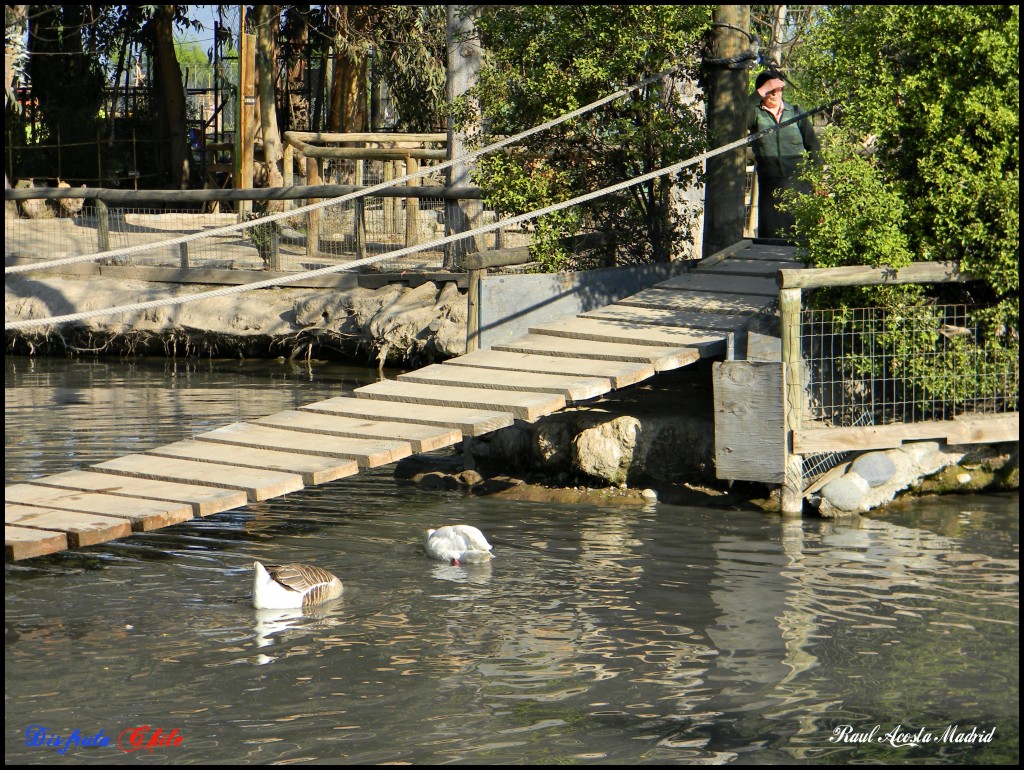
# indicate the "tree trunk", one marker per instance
pixel 16 22
pixel 727 103
pixel 465 57
pixel 173 124
pixel 266 20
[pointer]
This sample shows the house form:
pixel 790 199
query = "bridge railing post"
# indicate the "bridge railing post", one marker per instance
pixel 792 398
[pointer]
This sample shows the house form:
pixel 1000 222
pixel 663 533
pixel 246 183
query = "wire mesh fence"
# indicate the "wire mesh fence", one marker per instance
pixel 875 366
pixel 342 232
pixel 878 366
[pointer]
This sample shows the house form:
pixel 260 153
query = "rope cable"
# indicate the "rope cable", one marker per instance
pixel 227 229
pixel 229 290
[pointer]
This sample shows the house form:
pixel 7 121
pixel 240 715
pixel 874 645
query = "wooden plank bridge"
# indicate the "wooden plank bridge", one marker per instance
pixel 670 325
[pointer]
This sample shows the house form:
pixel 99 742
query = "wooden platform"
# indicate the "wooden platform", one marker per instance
pixel 668 326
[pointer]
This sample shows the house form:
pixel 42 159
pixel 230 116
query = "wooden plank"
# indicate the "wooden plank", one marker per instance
pixel 662 317
pixel 143 515
pixel 422 438
pixel 204 500
pixel 721 284
pixel 314 470
pixel 740 247
pixel 750 431
pixel 763 347
pixel 257 484
pixel 663 359
pixel 522 405
pixel 80 529
pixel 621 373
pixel 980 429
pixel 26 543
pixel 572 388
pixel 753 251
pixel 708 342
pixel 918 272
pixel 470 422
pixel 697 302
pixel 368 452
pixel 755 268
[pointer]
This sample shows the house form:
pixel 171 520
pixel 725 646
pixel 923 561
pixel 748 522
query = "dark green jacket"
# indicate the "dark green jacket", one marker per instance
pixel 778 153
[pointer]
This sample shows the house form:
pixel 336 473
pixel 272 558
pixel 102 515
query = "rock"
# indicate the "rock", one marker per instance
pixel 606 451
pixel 649 494
pixel 845 493
pixel 874 467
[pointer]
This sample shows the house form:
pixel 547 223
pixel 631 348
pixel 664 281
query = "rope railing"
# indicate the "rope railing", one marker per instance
pixel 227 229
pixel 530 215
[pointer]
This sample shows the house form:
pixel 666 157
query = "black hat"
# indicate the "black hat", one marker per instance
pixel 767 75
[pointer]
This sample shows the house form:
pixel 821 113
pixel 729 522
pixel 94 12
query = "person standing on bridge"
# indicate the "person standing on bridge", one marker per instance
pixel 777 154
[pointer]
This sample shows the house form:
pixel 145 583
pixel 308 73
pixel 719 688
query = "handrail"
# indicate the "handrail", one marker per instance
pixel 861 275
pixel 110 195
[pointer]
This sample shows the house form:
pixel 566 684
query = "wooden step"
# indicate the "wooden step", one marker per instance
pixel 79 529
pixel 257 484
pixel 620 373
pixel 706 281
pixel 422 438
pixel 698 302
pixel 522 405
pixel 143 515
pixel 314 470
pixel 470 422
pixel 572 388
pixel 661 358
pixel 368 452
pixel 27 543
pixel 674 318
pixel 709 343
pixel 204 500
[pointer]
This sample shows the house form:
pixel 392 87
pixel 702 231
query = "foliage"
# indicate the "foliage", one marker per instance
pixel 410 56
pixel 543 61
pixel 408 48
pixel 261 235
pixel 937 90
pixel 922 164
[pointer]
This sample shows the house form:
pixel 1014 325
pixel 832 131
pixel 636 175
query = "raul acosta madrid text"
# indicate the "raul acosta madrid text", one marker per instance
pixel 901 736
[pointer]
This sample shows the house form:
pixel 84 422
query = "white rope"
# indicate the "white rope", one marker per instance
pixel 229 290
pixel 226 229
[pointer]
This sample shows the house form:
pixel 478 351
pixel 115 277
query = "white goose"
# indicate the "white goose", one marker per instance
pixel 458 544
pixel 290 586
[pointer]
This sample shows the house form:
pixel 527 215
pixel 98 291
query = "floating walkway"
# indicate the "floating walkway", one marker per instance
pixel 670 325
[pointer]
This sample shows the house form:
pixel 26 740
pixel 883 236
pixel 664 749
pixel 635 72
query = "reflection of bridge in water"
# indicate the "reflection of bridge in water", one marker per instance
pixel 672 324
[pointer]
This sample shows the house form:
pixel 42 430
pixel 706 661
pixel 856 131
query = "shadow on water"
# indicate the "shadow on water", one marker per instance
pixel 670 634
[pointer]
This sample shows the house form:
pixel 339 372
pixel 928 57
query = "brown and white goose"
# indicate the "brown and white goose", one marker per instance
pixel 291 586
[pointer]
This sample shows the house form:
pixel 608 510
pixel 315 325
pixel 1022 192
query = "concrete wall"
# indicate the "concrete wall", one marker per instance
pixel 510 303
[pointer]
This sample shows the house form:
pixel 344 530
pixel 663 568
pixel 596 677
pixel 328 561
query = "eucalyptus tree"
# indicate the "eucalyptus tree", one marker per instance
pixel 543 61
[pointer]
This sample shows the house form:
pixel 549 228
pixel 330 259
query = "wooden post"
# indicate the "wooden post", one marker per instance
pixel 245 121
pixel 793 399
pixel 275 249
pixel 183 256
pixel 313 217
pixel 465 59
pixel 359 226
pixel 287 174
pixel 727 106
pixel 102 226
pixel 389 203
pixel 473 309
pixel 412 205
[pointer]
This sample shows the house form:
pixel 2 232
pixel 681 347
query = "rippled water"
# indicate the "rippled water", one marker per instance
pixel 598 635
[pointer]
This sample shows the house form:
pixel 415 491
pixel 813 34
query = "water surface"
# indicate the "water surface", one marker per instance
pixel 598 635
